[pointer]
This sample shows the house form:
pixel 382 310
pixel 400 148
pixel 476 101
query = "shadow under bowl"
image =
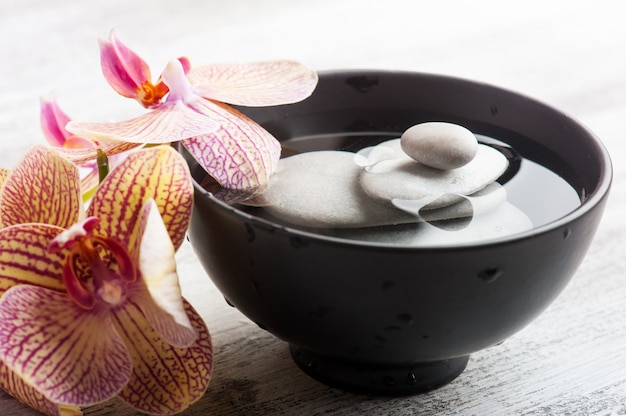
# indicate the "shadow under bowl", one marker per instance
pixel 395 319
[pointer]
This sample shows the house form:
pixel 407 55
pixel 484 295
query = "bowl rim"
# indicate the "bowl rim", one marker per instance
pixel 589 202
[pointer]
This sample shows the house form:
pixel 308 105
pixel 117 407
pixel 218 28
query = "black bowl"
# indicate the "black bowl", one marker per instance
pixel 393 319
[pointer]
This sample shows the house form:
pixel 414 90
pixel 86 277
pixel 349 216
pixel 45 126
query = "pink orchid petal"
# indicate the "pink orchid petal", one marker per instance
pixel 27 394
pixel 170 122
pixel 165 379
pixel 72 356
pixel 123 69
pixel 254 84
pixel 186 63
pixel 241 155
pixel 43 188
pixel 158 173
pixel 162 299
pixel 53 121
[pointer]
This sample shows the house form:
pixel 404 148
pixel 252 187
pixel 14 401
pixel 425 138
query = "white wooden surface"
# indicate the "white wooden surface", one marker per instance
pixel 570 54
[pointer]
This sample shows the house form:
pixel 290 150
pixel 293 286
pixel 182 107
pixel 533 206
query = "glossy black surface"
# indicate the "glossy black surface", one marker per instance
pixel 365 316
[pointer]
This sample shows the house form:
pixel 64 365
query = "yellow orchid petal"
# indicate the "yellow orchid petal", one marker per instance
pixel 158 173
pixel 3 175
pixel 170 122
pixel 24 257
pixel 165 379
pixel 254 83
pixel 162 300
pixel 240 155
pixel 43 188
pixel 25 393
pixel 70 355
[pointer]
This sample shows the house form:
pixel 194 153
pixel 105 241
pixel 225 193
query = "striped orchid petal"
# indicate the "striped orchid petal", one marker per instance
pixel 53 121
pixel 3 174
pixel 27 394
pixel 83 155
pixel 158 173
pixel 170 122
pixel 165 379
pixel 70 355
pixel 162 300
pixel 241 155
pixel 43 188
pixel 11 382
pixel 24 260
pixel 254 84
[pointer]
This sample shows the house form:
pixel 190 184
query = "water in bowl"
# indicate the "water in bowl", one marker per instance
pixel 540 193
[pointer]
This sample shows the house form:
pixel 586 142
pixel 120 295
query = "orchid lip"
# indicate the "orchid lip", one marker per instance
pixel 96 268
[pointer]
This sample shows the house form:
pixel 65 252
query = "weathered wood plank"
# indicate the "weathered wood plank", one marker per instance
pixel 571 360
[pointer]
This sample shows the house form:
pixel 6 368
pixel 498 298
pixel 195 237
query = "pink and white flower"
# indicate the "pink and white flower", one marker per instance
pixel 188 105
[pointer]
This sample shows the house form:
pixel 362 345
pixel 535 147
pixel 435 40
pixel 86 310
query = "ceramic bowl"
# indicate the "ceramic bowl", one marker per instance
pixel 380 318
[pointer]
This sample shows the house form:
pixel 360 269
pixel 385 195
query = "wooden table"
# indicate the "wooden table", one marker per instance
pixel 570 54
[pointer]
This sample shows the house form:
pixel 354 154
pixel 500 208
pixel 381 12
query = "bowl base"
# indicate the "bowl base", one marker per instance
pixel 378 379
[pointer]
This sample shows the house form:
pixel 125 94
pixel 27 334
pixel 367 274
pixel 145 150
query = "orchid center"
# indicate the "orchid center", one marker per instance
pixel 150 95
pixel 97 268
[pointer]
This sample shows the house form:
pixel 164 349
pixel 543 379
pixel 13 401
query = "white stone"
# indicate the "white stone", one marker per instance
pixel 404 178
pixel 440 145
pixel 321 190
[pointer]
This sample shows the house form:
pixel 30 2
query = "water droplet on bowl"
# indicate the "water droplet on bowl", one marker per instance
pixel 298 242
pixel 362 83
pixel 390 328
pixel 250 232
pixel 490 274
pixel 380 339
pixel 410 378
pixel 405 318
pixel 255 287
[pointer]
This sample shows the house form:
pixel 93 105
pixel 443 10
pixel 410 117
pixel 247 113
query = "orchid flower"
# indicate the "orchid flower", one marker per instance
pixel 188 106
pixel 53 121
pixel 90 305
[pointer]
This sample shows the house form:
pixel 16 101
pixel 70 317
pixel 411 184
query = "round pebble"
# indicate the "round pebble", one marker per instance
pixel 321 190
pixel 402 178
pixel 440 145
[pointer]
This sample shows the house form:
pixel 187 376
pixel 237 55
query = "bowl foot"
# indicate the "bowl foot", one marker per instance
pixel 378 379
